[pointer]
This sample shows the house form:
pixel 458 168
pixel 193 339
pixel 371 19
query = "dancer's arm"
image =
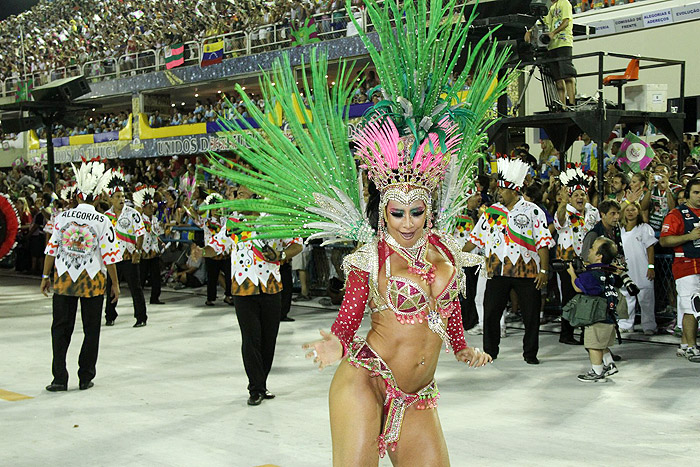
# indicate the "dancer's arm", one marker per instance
pixel 334 346
pixel 455 328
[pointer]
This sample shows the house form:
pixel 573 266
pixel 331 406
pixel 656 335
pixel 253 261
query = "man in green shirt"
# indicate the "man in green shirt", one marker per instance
pixel 560 23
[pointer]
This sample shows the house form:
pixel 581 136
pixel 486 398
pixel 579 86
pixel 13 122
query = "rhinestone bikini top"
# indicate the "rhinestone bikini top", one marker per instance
pixel 411 303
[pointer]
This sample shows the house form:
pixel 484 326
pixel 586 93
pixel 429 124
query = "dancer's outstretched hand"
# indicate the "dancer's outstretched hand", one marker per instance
pixel 473 357
pixel 325 351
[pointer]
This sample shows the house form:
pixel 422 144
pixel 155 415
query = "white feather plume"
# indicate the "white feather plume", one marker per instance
pixel 91 178
pixel 512 170
pixel 142 194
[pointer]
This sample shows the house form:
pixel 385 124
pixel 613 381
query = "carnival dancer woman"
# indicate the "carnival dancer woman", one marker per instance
pixel 418 144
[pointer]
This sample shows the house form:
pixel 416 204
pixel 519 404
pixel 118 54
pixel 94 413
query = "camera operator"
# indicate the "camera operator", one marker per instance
pixel 560 37
pixel 599 279
pixel 681 231
pixel 574 219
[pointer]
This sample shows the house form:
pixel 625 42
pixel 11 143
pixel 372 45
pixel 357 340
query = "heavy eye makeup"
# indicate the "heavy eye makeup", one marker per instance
pixel 414 212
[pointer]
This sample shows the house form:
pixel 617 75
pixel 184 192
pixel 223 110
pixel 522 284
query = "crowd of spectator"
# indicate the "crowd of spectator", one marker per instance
pixel 66 34
pixel 181 189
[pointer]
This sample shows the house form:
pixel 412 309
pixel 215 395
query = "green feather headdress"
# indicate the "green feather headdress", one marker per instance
pixel 308 184
pixel 420 48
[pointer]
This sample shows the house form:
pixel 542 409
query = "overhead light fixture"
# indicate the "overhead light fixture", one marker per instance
pixel 243 88
pixel 172 105
pixel 196 94
pixel 219 91
pixel 183 103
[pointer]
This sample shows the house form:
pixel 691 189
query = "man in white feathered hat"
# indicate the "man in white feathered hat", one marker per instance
pixel 574 219
pixel 516 242
pixel 130 230
pixel 83 248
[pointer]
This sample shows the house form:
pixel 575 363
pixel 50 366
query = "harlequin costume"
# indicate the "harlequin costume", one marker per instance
pixel 129 227
pixel 421 140
pixel 511 240
pixel 571 234
pixel 256 286
pixel 82 243
pixel 211 225
pixel 151 247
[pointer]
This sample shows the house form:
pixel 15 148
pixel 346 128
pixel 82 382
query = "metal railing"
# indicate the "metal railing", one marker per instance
pixel 269 37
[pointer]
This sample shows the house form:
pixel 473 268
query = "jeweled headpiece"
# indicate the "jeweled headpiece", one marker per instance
pixel 144 195
pixel 402 168
pixel 574 178
pixel 511 173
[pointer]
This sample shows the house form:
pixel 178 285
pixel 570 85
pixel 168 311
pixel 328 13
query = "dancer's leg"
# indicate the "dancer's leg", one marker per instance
pixel 356 404
pixel 421 442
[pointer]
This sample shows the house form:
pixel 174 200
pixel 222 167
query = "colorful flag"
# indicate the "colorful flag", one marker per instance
pixel 23 91
pixel 635 155
pixel 306 34
pixel 213 53
pixel 174 55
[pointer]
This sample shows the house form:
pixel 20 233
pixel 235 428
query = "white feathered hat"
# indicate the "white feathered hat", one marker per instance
pixel 90 179
pixel 511 173
pixel 144 195
pixel 574 178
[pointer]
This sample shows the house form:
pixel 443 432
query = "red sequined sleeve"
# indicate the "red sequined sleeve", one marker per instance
pixel 353 307
pixel 455 328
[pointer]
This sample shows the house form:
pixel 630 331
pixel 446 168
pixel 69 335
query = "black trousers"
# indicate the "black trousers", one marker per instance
pixel 129 271
pixel 287 284
pixel 495 300
pixel 259 319
pixel 567 293
pixel 470 317
pixel 214 267
pixel 151 268
pixel 65 308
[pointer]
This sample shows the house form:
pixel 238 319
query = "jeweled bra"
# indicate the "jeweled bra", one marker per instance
pixel 411 303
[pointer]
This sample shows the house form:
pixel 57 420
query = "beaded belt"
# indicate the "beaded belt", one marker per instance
pixel 361 355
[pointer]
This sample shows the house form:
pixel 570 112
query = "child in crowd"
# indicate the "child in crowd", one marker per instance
pixel 599 279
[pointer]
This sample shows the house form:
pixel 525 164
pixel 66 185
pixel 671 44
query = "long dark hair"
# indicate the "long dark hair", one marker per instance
pixel 372 208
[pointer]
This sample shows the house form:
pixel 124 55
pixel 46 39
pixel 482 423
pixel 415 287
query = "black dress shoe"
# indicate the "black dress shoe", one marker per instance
pixel 139 324
pixel 156 302
pixel 268 395
pixel 109 322
pixel 56 387
pixel 255 399
pixel 287 319
pixel 569 341
pixel 209 303
pixel 616 358
pixel 85 385
pixel 532 361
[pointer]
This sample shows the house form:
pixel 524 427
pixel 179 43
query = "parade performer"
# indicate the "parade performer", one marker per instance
pixel 211 224
pixel 256 285
pixel 83 247
pixel 152 246
pixel 574 219
pixel 408 273
pixel 130 230
pixel 514 235
pixel 9 226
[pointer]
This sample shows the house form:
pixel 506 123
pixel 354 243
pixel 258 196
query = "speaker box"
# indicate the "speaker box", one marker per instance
pixel 62 90
pixel 20 124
